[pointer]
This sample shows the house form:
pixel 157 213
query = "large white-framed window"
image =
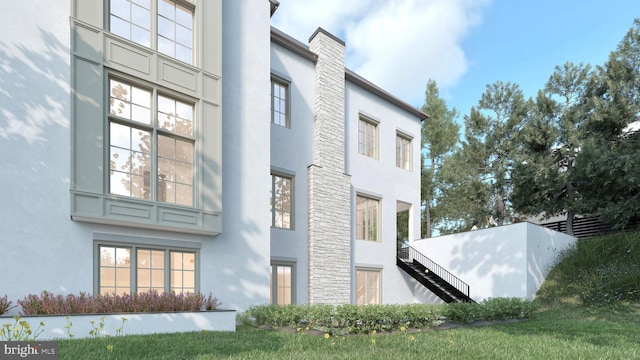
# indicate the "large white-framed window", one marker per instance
pixel 368 286
pixel 151 136
pixel 368 137
pixel 367 218
pixel 281 201
pixel 164 25
pixel 282 283
pixel 280 102
pixel 403 152
pixel 131 268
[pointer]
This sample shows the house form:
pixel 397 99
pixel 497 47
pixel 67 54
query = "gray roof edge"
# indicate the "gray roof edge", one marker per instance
pixel 351 76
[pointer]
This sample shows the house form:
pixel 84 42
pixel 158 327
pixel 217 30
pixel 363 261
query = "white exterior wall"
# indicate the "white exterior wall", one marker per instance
pixel 505 261
pixel 240 256
pixel 291 152
pixel 42 247
pixel 383 179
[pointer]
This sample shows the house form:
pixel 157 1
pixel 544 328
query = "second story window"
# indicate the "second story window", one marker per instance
pixel 164 25
pixel 151 136
pixel 368 138
pixel 281 202
pixel 367 218
pixel 403 152
pixel 279 103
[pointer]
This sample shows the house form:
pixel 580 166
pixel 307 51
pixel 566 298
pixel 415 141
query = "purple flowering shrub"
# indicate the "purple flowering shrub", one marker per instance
pixel 5 304
pixel 50 304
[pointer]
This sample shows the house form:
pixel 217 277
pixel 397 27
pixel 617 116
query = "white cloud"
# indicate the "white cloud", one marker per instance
pixel 397 44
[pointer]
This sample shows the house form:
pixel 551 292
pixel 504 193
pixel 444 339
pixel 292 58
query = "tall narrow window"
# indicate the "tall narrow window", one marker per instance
pixel 151 270
pixel 367 287
pixel 403 152
pixel 279 106
pixel 281 202
pixel 115 270
pixel 150 136
pixel 367 218
pixel 170 34
pixel 131 19
pixel 368 138
pixel 183 279
pixel 175 30
pixel 281 284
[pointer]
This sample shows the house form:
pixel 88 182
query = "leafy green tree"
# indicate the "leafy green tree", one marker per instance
pixel 544 174
pixel 439 138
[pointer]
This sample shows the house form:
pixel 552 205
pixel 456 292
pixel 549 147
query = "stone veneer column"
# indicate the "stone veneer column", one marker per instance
pixel 329 186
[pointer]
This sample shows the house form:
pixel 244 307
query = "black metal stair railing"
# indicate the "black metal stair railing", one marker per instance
pixel 409 254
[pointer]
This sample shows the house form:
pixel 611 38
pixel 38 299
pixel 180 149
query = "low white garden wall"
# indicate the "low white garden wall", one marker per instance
pixel 505 261
pixel 85 326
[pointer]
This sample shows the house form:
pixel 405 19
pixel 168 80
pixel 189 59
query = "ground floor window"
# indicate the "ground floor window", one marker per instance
pixel 140 268
pixel 368 287
pixel 281 283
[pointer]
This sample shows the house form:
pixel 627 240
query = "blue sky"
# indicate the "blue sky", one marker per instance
pixel 462 44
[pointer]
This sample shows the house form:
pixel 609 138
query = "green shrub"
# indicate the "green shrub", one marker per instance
pixel 345 319
pixel 489 309
pixel 462 313
pixel 355 319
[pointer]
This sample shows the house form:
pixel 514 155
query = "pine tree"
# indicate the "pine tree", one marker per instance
pixel 439 137
pixel 490 141
pixel 609 165
pixel 544 176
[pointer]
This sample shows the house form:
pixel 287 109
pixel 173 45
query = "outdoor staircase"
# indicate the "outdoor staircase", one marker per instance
pixel 433 276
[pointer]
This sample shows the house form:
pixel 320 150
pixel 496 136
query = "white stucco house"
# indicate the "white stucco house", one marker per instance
pixel 188 146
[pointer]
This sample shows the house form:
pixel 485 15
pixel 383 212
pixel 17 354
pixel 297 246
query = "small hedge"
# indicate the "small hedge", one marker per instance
pixel 489 309
pixel 344 319
pixel 49 304
pixel 355 319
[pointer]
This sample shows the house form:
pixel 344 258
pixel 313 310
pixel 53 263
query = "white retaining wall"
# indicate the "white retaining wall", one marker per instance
pixel 506 261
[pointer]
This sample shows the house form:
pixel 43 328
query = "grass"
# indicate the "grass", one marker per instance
pixel 575 323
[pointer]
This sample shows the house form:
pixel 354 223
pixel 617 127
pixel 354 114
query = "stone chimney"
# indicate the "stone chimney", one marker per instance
pixel 329 186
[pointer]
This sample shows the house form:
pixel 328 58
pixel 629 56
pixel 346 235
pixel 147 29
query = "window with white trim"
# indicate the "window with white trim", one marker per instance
pixel 367 218
pixel 131 268
pixel 164 25
pixel 281 201
pixel 151 136
pixel 367 138
pixel 279 103
pixel 403 152
pixel 282 281
pixel 368 285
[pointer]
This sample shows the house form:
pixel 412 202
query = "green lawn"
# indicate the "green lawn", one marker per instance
pixel 566 332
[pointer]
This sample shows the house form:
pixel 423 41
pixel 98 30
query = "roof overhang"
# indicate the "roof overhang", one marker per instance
pixel 274 6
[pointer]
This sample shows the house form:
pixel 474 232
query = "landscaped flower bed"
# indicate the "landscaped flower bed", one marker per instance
pixel 47 316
